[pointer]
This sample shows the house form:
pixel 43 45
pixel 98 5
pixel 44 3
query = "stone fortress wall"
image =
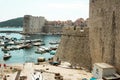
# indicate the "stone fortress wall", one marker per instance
pixel 104 27
pixel 98 43
pixel 33 24
pixel 74 46
pixel 38 25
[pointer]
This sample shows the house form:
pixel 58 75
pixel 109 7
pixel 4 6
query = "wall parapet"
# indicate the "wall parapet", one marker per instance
pixel 76 31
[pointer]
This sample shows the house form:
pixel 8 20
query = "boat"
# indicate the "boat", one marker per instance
pixel 41 59
pixel 52 43
pixel 37 76
pixel 6 56
pixel 40 51
pixel 5 49
pixel 38 43
pixel 54 48
pixel 27 46
pixel 53 52
pixel 46 49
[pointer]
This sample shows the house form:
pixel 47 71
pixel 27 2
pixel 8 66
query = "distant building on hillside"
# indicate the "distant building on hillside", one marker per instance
pixel 53 27
pixel 33 24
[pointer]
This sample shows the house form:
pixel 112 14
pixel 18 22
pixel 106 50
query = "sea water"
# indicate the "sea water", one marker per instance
pixel 27 55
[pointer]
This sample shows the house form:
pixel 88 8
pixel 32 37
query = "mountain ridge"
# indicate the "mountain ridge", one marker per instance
pixel 15 22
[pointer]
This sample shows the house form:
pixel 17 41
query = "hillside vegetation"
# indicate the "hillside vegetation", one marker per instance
pixel 17 22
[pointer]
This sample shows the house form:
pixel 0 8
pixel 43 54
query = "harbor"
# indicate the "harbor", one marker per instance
pixel 43 40
pixel 22 55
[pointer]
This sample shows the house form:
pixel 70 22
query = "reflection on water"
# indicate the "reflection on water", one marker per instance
pixel 26 55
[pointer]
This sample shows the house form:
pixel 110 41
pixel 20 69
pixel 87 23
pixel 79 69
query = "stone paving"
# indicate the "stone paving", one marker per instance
pixel 49 71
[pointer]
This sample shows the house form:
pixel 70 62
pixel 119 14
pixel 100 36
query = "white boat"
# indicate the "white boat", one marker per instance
pixel 37 76
pixel 40 50
pixel 37 43
pixel 45 48
pixel 54 48
pixel 6 56
pixel 52 43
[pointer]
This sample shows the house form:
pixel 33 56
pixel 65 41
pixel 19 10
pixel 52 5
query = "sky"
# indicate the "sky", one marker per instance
pixel 50 9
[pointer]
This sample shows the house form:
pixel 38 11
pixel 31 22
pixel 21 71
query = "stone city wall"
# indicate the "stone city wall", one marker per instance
pixel 33 24
pixel 74 46
pixel 52 29
pixel 104 27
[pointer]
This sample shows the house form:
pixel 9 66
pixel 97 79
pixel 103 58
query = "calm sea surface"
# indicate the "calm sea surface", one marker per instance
pixel 27 55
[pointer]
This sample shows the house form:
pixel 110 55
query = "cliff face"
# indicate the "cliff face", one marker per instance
pixel 104 30
pixel 74 46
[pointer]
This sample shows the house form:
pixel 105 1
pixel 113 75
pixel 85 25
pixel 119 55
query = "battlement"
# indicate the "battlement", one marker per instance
pixel 76 31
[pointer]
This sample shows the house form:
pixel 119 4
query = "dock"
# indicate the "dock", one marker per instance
pixel 16 45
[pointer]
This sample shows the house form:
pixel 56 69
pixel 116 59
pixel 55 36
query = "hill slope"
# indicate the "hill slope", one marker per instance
pixel 12 22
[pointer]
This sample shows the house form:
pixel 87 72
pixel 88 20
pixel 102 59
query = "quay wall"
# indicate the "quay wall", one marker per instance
pixel 74 46
pixel 104 28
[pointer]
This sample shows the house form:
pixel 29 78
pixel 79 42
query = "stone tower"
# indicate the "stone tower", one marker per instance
pixel 33 24
pixel 104 28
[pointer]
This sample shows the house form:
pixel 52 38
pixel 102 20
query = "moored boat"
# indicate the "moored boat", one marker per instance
pixel 53 52
pixel 54 48
pixel 40 51
pixel 37 44
pixel 27 46
pixel 5 49
pixel 46 49
pixel 6 56
pixel 52 43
